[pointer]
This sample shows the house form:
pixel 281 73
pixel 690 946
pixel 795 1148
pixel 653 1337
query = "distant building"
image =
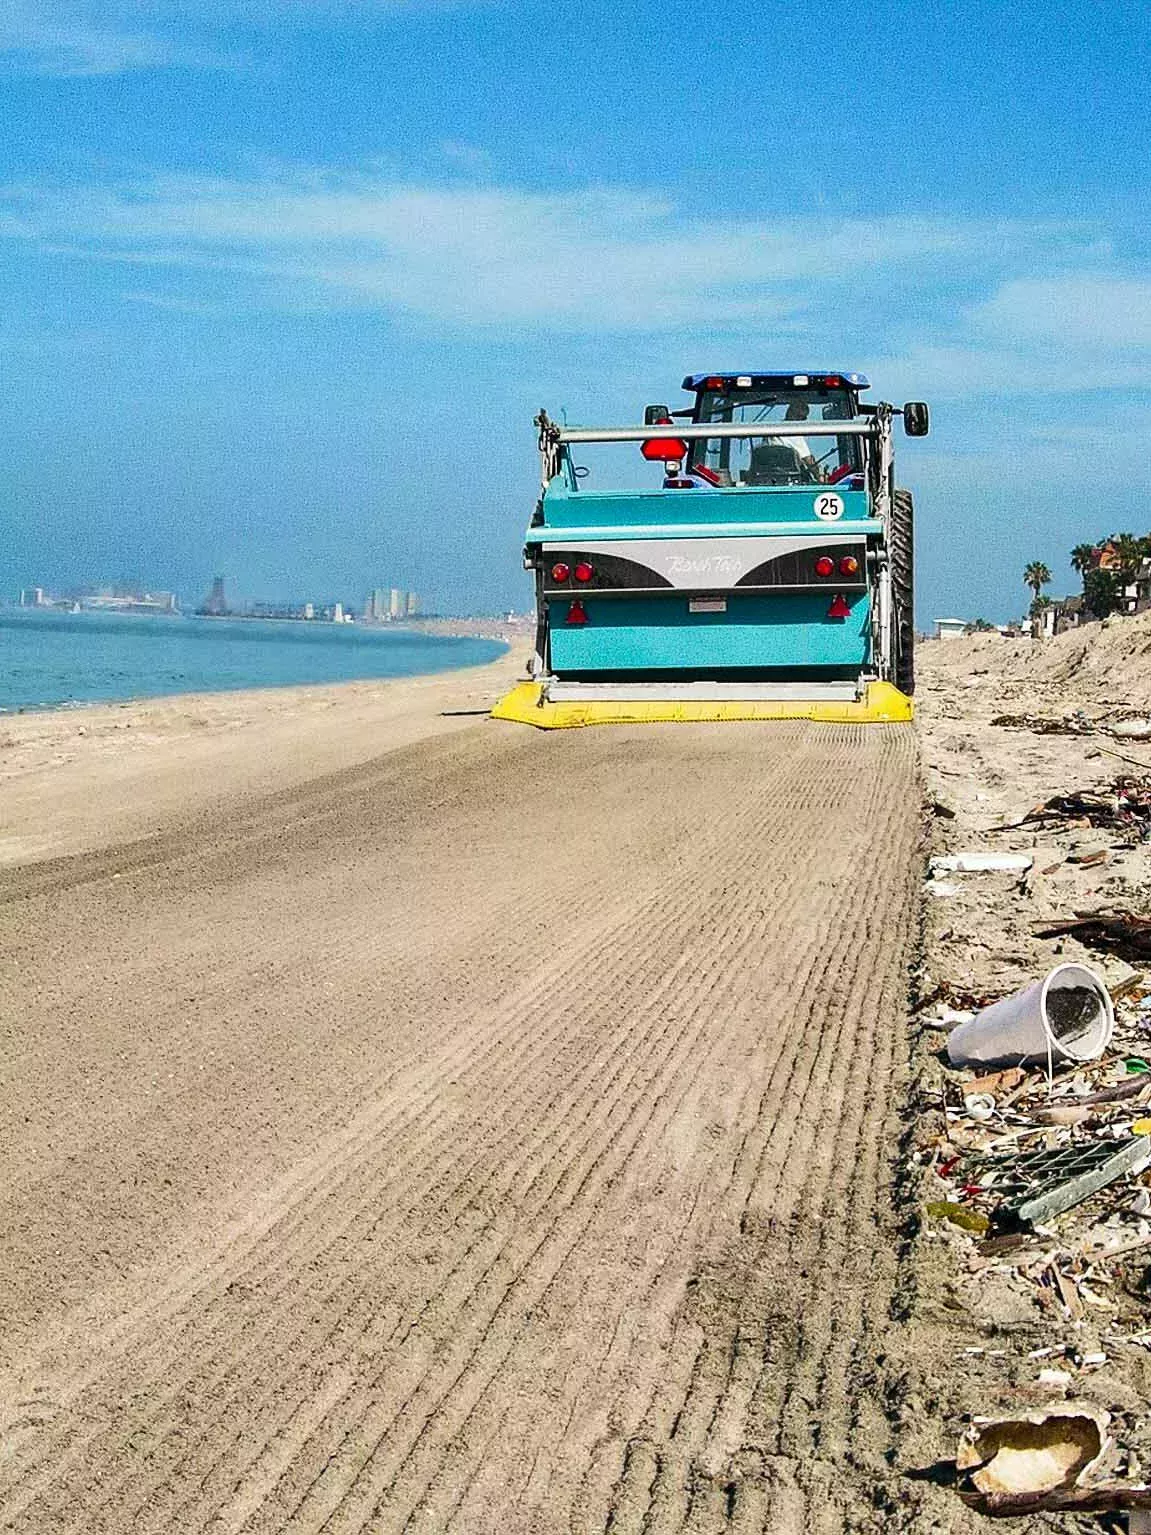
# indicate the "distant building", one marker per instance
pixel 32 597
pixel 413 604
pixel 215 604
pixel 337 612
pixel 1068 613
pixel 397 603
pixel 1136 595
pixel 950 628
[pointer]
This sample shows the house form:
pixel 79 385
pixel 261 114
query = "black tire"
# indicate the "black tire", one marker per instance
pixel 901 552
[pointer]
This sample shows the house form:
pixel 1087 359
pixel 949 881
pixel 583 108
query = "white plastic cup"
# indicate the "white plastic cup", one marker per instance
pixel 1034 1023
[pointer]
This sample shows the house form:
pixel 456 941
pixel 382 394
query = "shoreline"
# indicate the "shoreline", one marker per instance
pixel 491 631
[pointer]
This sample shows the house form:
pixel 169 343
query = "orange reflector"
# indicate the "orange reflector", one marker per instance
pixel 577 613
pixel 839 607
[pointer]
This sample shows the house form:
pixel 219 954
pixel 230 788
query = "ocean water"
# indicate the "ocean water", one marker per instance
pixel 52 659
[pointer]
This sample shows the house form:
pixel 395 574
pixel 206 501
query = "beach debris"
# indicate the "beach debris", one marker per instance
pixel 994 1081
pixel 1117 932
pixel 1088 860
pixel 1036 1452
pixel 1034 1187
pixel 1058 1380
pixel 1076 724
pixel 941 888
pixel 958 1215
pixel 1065 1016
pixel 1099 1498
pixel 979 1106
pixel 982 863
pixel 1131 730
pixel 1123 806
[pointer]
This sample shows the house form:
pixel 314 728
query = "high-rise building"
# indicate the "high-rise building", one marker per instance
pixel 215 603
pixel 413 604
pixel 396 603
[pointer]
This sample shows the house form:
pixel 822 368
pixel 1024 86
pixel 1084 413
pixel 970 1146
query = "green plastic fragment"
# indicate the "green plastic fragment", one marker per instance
pixel 958 1215
pixel 1135 1066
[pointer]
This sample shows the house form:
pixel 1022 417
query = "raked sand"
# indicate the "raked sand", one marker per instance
pixel 410 1121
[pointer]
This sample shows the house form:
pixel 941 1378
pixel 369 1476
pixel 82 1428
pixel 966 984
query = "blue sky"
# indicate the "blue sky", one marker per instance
pixel 286 281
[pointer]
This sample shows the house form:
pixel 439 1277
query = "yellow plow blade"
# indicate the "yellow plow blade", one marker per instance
pixel 882 704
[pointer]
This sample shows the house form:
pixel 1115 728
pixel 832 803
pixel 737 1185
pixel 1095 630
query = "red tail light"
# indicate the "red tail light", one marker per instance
pixel 560 572
pixel 824 565
pixel 664 449
pixel 583 571
pixel 849 565
pixel 577 613
pixel 839 607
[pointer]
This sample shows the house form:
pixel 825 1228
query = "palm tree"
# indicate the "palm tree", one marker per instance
pixel 1129 553
pixel 1035 576
pixel 1084 557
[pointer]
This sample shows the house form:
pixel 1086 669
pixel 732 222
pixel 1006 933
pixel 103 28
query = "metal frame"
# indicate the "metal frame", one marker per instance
pixel 555 440
pixel 553 437
pixel 696 430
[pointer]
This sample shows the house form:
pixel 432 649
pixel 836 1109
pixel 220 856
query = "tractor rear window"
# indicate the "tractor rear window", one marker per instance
pixel 782 460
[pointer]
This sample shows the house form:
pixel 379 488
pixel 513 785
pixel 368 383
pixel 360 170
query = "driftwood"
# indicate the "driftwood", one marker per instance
pixel 1120 932
pixel 1106 1498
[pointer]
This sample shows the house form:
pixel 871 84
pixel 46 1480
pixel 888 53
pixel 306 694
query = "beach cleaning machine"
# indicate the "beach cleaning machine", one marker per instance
pixel 769 575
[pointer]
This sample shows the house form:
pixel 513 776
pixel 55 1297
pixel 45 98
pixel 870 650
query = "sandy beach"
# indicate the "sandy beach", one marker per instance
pixel 416 1121
pixel 73 780
pixel 411 1121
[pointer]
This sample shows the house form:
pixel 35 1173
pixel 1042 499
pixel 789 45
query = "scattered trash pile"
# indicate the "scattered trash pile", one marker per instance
pixel 1076 724
pixel 1121 726
pixel 1122 808
pixel 1040 1176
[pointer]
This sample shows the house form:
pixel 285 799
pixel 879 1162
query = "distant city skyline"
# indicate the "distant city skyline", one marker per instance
pixel 379 605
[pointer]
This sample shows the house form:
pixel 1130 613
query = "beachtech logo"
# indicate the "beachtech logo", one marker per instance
pixel 722 566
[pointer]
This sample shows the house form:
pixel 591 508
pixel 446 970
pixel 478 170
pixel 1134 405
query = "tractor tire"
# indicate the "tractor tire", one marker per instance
pixel 901 552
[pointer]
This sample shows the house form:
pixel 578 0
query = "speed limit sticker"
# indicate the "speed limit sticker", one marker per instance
pixel 829 506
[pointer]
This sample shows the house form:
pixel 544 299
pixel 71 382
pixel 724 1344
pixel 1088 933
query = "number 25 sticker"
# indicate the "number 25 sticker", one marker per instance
pixel 829 507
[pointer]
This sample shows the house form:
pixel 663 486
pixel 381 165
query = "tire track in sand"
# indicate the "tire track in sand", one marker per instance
pixel 581 1253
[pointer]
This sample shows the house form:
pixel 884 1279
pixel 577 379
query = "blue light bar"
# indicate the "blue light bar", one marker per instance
pixel 777 376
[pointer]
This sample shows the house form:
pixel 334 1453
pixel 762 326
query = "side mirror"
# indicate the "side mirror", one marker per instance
pixel 654 415
pixel 916 419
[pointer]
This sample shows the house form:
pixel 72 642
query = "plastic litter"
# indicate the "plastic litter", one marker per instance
pixel 979 1106
pixel 982 863
pixel 1066 1016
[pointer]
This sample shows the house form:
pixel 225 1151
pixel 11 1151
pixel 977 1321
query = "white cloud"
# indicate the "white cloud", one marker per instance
pixel 1082 309
pixel 598 260
pixel 75 38
pixel 1046 307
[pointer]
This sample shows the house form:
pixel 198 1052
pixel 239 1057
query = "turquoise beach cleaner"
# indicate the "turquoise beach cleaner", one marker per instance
pixel 767 576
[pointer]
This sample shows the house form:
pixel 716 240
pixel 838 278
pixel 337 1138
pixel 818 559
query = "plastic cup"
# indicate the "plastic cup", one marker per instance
pixel 1067 1015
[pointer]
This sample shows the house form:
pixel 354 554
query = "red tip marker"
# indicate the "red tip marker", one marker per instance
pixel 838 608
pixel 577 613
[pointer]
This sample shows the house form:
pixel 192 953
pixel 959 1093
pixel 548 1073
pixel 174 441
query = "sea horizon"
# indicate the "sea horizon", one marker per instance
pixel 59 660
